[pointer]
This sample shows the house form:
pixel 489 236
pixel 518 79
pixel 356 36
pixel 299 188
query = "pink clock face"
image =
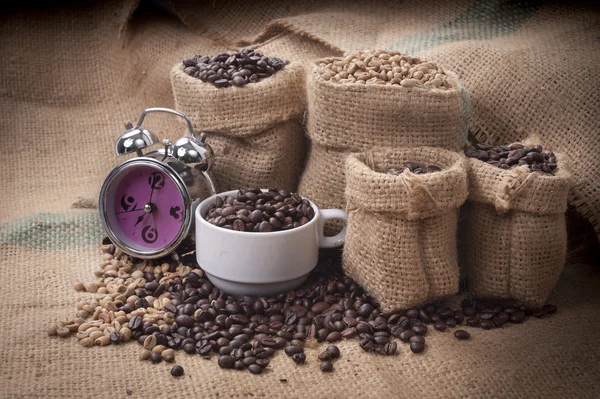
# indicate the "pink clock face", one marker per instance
pixel 145 208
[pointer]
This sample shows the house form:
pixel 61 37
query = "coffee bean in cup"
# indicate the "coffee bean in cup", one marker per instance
pixel 254 210
pixel 235 69
pixel 514 155
pixel 415 167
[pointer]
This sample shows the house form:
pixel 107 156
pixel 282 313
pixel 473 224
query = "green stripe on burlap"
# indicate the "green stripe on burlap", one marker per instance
pixel 53 231
pixel 484 20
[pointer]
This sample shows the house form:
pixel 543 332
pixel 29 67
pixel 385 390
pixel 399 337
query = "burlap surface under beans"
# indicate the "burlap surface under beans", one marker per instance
pixel 401 238
pixel 515 233
pixel 343 118
pixel 254 130
pixel 72 75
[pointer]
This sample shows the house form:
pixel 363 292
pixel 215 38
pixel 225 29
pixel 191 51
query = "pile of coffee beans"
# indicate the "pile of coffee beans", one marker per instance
pixel 166 307
pixel 511 156
pixel 382 67
pixel 414 167
pixel 254 210
pixel 235 69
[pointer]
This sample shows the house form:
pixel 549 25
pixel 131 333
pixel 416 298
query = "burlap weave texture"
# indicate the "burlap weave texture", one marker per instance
pixel 254 130
pixel 515 232
pixel 401 238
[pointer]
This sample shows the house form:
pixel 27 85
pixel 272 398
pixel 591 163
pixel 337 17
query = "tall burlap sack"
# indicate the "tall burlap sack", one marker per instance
pixel 401 238
pixel 254 130
pixel 345 118
pixel 515 234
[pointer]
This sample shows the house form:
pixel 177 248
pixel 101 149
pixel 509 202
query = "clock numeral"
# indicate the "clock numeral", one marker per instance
pixel 156 180
pixel 149 234
pixel 128 202
pixel 175 212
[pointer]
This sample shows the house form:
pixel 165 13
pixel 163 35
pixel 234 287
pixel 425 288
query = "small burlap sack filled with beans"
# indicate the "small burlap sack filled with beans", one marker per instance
pixel 401 238
pixel 254 130
pixel 515 237
pixel 352 114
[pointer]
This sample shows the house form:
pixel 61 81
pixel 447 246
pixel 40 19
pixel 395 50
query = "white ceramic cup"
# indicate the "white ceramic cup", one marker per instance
pixel 249 263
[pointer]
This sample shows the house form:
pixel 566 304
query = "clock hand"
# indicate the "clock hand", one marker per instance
pixel 132 210
pixel 139 220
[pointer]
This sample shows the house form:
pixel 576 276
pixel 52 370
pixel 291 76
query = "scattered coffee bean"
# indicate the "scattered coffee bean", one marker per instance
pixel 326 366
pixel 226 362
pixel 462 334
pixel 255 369
pixel 334 350
pixel 324 356
pixel 237 69
pixel 417 347
pixel 299 358
pixel 176 371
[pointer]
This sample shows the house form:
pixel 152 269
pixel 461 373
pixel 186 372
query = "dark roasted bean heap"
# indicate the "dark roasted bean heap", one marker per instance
pixel 255 211
pixel 415 167
pixel 511 156
pixel 237 69
pixel 245 332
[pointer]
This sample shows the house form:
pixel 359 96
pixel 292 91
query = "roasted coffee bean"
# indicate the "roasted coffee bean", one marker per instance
pixel 473 321
pixel 255 369
pixel 366 344
pixel 485 324
pixel 349 333
pixel 417 338
pixel 518 317
pixel 239 68
pixel 333 337
pixel 226 362
pixel 326 366
pixel 462 334
pixel 406 335
pixel 135 323
pixel 116 337
pixel 292 350
pixel 417 347
pixel 420 329
pixel 533 157
pixel 176 371
pixel 334 350
pixel 262 362
pixel 390 348
pixel 324 356
pixel 155 357
pixel 268 213
pixel 440 325
pixel 299 358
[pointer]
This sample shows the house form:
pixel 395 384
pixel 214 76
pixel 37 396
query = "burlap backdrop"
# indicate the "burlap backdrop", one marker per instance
pixel 72 75
pixel 515 233
pixel 254 130
pixel 343 118
pixel 401 239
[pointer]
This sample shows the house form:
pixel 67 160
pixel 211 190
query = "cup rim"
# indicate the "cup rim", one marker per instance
pixel 201 219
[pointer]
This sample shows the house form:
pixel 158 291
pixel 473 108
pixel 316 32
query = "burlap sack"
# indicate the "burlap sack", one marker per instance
pixel 350 118
pixel 401 239
pixel 254 130
pixel 515 234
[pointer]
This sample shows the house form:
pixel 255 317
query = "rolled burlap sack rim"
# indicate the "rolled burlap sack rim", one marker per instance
pixel 520 189
pixel 434 117
pixel 240 111
pixel 408 195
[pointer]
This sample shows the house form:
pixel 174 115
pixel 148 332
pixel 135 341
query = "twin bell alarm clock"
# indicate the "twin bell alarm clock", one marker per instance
pixel 147 203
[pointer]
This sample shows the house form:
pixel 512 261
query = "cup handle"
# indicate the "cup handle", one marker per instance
pixel 337 240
